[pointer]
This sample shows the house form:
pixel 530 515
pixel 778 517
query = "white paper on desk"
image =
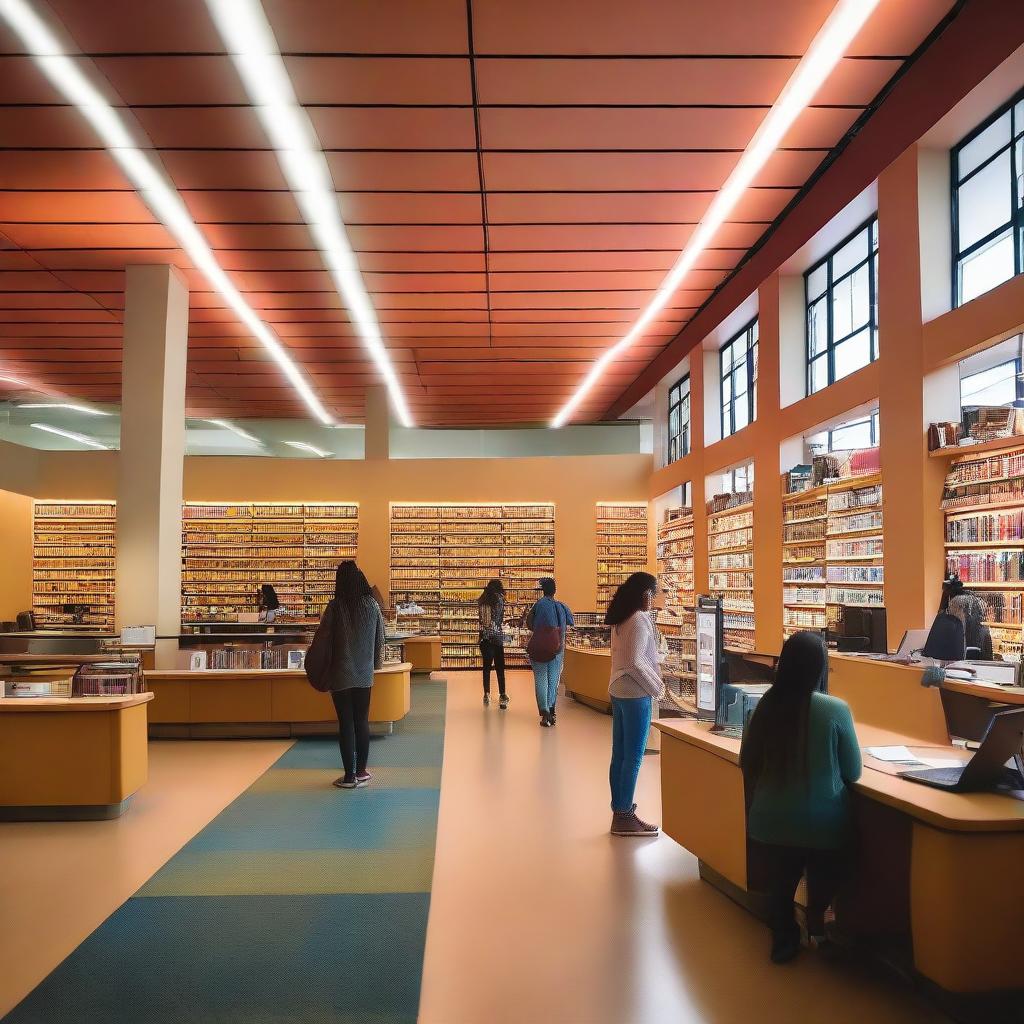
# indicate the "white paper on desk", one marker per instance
pixel 894 753
pixel 941 762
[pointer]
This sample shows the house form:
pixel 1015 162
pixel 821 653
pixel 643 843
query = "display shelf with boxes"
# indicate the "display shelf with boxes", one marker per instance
pixel 229 549
pixel 443 555
pixel 983 503
pixel 74 547
pixel 731 565
pixel 804 520
pixel 855 572
pixel 621 545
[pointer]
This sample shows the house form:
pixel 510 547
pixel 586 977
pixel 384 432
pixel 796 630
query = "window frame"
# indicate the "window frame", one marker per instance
pixel 873 428
pixel 831 344
pixel 676 401
pixel 1016 221
pixel 751 332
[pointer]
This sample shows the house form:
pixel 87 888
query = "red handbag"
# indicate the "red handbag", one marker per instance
pixel 545 644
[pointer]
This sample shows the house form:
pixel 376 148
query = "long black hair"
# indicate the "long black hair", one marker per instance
pixel 490 594
pixel 268 597
pixel 778 729
pixel 350 587
pixel 629 598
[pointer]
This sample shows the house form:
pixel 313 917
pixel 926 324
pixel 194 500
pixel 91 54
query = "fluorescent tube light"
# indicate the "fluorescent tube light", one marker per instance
pixel 7 379
pixel 71 435
pixel 826 50
pixel 228 425
pixel 65 405
pixel 302 446
pixel 142 170
pixel 250 42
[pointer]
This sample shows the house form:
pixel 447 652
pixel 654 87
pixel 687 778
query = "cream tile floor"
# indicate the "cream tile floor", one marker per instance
pixel 538 915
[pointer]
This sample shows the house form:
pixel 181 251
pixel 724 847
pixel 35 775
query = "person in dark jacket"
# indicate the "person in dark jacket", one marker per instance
pixel 971 611
pixel 358 650
pixel 490 609
pixel 798 756
pixel 269 603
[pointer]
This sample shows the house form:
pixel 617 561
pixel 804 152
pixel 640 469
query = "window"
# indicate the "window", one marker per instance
pixel 850 436
pixel 679 420
pixel 739 480
pixel 739 380
pixel 994 376
pixel 842 309
pixel 988 203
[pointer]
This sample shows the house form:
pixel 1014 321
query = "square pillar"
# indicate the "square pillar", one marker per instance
pixel 151 462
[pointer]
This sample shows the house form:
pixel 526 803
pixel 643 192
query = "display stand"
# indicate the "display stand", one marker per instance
pixel 731 565
pixel 621 545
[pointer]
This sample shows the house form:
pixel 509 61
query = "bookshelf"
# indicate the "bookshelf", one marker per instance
pixel 676 619
pixel 983 503
pixel 229 549
pixel 442 556
pixel 74 545
pixel 855 572
pixel 731 565
pixel 621 545
pixel 804 519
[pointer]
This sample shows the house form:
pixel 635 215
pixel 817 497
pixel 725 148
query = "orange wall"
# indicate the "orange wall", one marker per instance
pixel 16 557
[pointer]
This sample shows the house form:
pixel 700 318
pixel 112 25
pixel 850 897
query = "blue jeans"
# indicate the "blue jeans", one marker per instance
pixel 545 681
pixel 631 722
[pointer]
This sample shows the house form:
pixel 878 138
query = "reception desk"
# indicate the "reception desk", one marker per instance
pixel 423 653
pixel 71 758
pixel 585 676
pixel 936 878
pixel 262 702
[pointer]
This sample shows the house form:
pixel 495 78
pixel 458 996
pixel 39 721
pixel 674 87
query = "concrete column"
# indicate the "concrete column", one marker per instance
pixel 912 489
pixel 379 421
pixel 150 465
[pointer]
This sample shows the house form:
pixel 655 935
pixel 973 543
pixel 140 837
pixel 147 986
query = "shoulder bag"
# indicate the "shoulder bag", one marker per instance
pixel 321 650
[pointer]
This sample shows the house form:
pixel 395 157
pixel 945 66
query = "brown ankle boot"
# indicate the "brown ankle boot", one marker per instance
pixel 626 823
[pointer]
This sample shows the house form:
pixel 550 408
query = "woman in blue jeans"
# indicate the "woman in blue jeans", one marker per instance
pixel 548 612
pixel 635 685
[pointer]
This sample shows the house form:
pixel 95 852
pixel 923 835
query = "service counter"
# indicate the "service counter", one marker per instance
pixel 585 676
pixel 71 758
pixel 422 652
pixel 936 885
pixel 262 702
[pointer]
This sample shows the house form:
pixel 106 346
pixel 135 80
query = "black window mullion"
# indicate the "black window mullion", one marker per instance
pixel 830 355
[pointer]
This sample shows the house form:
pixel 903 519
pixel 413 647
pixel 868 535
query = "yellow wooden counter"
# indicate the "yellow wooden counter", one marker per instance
pixel 585 676
pixel 423 653
pixel 937 867
pixel 71 758
pixel 262 702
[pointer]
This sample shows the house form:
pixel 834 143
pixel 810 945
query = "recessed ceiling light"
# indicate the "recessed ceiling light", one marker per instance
pixel 251 44
pixel 302 446
pixel 148 177
pixel 826 49
pixel 65 405
pixel 72 436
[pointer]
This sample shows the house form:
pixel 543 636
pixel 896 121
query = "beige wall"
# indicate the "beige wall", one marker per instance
pixel 574 483
pixel 15 554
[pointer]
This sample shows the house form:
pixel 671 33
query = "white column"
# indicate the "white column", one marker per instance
pixel 151 463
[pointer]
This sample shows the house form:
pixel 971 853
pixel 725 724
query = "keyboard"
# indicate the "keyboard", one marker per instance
pixel 935 776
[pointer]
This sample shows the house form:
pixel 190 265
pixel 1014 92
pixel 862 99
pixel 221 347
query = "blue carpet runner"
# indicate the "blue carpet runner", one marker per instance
pixel 298 903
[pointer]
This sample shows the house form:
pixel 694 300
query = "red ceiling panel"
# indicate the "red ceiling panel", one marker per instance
pixel 598 160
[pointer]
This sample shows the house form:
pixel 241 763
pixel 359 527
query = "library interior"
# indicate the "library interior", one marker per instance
pixel 511 512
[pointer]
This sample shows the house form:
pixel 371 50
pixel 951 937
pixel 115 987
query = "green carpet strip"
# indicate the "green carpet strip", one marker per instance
pixel 298 903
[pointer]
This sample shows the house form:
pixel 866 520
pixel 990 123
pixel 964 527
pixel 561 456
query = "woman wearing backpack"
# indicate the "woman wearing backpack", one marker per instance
pixel 548 621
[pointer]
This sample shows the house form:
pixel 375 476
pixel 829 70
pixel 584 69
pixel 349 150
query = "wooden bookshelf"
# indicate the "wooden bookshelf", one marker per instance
pixel 74 547
pixel 983 502
pixel 676 619
pixel 229 549
pixel 621 545
pixel 804 521
pixel 731 565
pixel 442 556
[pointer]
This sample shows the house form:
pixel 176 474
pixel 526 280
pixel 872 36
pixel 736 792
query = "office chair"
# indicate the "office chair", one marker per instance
pixel 26 622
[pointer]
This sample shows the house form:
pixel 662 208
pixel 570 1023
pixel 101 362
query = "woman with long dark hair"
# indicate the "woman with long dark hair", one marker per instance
pixel 490 610
pixel 634 686
pixel 799 754
pixel 269 603
pixel 358 649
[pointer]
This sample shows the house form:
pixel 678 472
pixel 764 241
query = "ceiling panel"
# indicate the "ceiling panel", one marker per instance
pixel 509 230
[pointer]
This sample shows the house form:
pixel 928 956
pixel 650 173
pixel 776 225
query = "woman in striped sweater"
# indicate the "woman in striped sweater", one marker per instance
pixel 635 685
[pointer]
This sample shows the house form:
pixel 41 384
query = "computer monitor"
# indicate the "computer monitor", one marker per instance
pixel 862 629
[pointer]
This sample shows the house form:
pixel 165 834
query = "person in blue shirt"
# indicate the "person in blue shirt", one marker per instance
pixel 546 674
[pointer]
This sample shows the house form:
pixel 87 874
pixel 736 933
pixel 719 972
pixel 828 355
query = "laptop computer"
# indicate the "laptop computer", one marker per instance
pixel 987 769
pixel 912 643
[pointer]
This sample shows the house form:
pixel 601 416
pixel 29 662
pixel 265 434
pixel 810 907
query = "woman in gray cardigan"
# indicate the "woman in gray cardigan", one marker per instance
pixel 358 649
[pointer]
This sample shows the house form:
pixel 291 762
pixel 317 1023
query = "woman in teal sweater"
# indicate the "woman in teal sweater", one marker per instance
pixel 799 753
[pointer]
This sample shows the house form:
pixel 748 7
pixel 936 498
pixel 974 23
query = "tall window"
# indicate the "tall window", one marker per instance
pixel 842 309
pixel 849 436
pixel 739 380
pixel 988 203
pixel 679 420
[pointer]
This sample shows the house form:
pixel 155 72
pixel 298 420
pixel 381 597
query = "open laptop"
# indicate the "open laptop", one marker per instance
pixel 987 769
pixel 912 643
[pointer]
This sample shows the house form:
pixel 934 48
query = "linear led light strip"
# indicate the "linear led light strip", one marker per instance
pixel 252 46
pixel 72 435
pixel 826 49
pixel 161 197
